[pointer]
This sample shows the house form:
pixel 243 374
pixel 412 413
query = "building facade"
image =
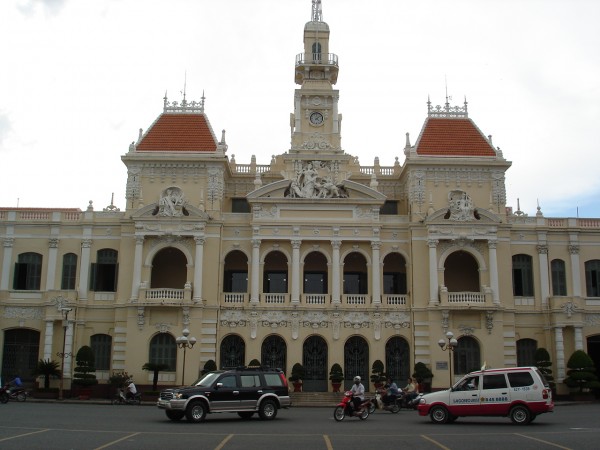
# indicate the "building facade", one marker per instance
pixel 311 258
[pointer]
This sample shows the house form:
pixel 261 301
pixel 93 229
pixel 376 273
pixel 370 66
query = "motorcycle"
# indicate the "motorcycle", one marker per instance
pixel 346 408
pixel 408 402
pixel 391 406
pixel 19 394
pixel 122 399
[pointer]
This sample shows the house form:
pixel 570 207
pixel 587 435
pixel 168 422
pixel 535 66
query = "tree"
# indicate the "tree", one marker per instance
pixel 209 366
pixel 84 372
pixel 336 374
pixel 297 372
pixel 46 368
pixel 582 372
pixel 377 372
pixel 543 363
pixel 155 368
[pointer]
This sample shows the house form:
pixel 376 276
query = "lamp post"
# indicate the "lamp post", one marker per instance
pixel 184 342
pixel 62 354
pixel 450 346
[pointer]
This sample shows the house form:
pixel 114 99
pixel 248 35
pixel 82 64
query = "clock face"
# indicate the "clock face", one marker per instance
pixel 316 118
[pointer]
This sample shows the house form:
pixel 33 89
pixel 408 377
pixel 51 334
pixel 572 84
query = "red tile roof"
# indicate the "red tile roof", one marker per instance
pixel 452 137
pixel 179 133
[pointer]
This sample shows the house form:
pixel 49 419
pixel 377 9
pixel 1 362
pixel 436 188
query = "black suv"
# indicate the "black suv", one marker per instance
pixel 244 390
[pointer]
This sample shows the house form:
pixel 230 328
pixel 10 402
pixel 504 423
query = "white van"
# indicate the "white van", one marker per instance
pixel 520 393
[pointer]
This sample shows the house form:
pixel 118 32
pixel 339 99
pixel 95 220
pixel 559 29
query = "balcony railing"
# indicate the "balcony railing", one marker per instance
pixel 315 299
pixel 316 58
pixel 355 299
pixel 232 298
pixel 165 296
pixel 465 298
pixel 395 299
pixel 275 298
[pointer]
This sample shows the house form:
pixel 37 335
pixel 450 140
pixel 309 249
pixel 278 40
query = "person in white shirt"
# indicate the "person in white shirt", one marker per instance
pixel 131 390
pixel 358 393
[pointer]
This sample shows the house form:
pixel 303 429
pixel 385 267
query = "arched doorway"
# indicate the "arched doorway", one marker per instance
pixel 314 360
pixel 467 356
pixel 232 352
pixel 273 352
pixel 20 353
pixel 169 269
pixel 356 360
pixel 397 359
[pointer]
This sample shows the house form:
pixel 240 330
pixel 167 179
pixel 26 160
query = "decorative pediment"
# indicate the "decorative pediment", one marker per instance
pixel 347 192
pixel 462 209
pixel 152 210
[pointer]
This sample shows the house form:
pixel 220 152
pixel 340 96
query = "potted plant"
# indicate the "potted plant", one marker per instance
pixel 84 373
pixel 581 374
pixel 47 369
pixel 254 363
pixel 336 375
pixel 297 376
pixel 377 374
pixel 422 376
pixel 209 366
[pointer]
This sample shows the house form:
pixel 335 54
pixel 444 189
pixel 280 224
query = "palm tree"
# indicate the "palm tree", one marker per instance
pixel 155 368
pixel 46 368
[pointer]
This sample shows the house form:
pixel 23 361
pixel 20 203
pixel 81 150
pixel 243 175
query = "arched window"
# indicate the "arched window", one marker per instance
pixel 314 360
pixel 525 352
pixel 559 277
pixel 467 357
pixel 273 352
pixel 316 51
pixel 163 350
pixel 592 278
pixel 69 271
pixel 233 352
pixel 522 276
pixel 101 346
pixel 28 272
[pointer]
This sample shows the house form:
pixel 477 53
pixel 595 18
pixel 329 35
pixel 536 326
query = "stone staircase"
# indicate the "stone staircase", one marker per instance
pixel 323 399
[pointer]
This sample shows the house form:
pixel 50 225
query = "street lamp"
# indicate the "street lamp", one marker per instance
pixel 62 354
pixel 450 346
pixel 184 342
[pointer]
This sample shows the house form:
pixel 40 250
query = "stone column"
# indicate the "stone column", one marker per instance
pixel 376 273
pixel 560 353
pixel 84 269
pixel 335 272
pixel 6 263
pixel 52 264
pixel 296 271
pixel 48 337
pixel 198 268
pixel 254 278
pixel 433 273
pixel 575 270
pixel 137 268
pixel 493 262
pixel 578 338
pixel 544 278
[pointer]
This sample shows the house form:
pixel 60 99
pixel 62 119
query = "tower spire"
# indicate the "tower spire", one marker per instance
pixel 317 11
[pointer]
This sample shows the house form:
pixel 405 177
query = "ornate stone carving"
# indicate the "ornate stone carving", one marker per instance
pixel 489 321
pixel 396 320
pixel 23 313
pixel 172 203
pixel 315 320
pixel 53 242
pixel 315 181
pixel 274 319
pixel 141 319
pixel 542 249
pixel 569 308
pixel 356 320
pixel 460 206
pixel 574 249
pixel 233 318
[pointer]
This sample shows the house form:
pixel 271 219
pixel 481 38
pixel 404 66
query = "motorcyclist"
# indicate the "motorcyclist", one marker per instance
pixel 410 390
pixel 358 393
pixel 131 390
pixel 391 392
pixel 15 384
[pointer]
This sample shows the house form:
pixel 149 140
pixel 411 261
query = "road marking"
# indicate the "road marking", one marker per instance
pixel 543 441
pixel 26 434
pixel 223 442
pixel 433 441
pixel 108 444
pixel 328 442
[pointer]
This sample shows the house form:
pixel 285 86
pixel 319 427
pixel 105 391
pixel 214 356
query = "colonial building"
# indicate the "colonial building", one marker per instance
pixel 309 258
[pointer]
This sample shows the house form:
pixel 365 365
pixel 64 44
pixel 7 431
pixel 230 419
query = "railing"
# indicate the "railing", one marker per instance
pixel 466 297
pixel 317 58
pixel 355 299
pixel 272 298
pixel 395 299
pixel 315 299
pixel 165 296
pixel 235 297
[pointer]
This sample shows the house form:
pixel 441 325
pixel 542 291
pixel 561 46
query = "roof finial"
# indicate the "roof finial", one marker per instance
pixel 317 11
pixel 447 103
pixel 202 102
pixel 184 84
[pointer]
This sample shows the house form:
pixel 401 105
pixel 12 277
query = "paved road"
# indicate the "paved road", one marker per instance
pixel 89 426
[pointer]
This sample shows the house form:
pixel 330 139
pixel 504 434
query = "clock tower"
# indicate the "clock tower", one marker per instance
pixel 315 122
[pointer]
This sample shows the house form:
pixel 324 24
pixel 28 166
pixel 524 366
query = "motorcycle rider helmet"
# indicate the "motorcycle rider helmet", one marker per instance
pixel 357 378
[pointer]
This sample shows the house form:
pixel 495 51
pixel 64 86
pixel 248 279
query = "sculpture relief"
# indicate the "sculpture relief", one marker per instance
pixel 461 206
pixel 172 203
pixel 310 183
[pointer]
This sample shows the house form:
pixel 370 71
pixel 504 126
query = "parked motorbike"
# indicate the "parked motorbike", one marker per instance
pixel 346 408
pixel 122 399
pixel 19 394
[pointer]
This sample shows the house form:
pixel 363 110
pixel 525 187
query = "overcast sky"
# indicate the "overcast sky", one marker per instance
pixel 79 78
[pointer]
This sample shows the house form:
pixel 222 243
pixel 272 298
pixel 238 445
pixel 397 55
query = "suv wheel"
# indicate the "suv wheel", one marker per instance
pixel 520 415
pixel 195 412
pixel 267 410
